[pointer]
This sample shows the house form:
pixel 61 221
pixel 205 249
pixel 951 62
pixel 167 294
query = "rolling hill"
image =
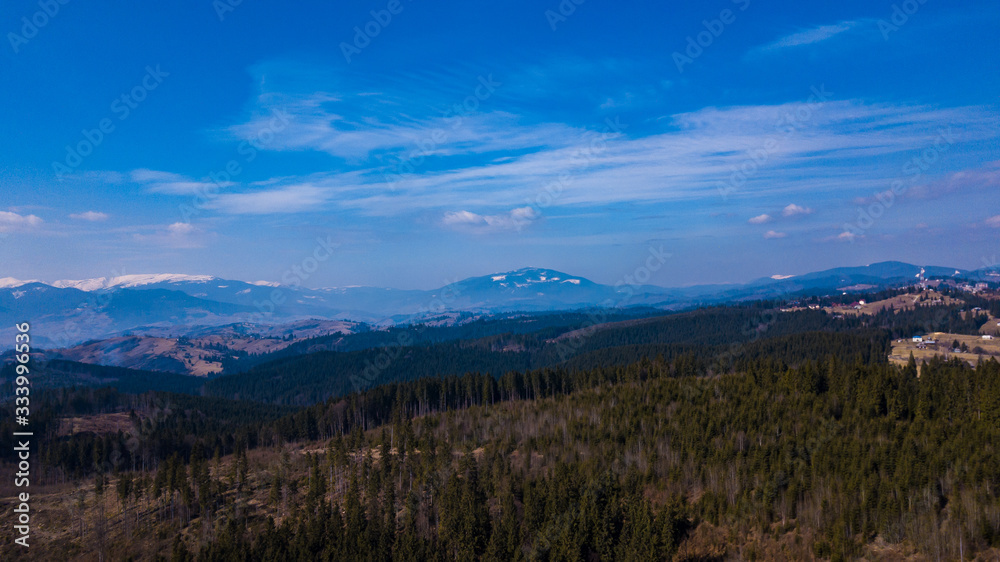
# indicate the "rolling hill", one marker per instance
pixel 65 313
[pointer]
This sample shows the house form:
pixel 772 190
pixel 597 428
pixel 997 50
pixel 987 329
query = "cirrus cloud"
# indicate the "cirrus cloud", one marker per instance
pixel 169 183
pixel 91 216
pixel 286 199
pixel 811 36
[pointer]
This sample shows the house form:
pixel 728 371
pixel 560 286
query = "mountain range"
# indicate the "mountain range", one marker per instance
pixel 68 312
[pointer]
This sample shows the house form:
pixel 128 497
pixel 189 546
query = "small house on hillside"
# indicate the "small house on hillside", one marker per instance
pixel 987 337
pixel 917 339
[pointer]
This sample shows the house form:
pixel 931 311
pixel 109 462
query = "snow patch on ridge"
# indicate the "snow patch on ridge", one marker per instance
pixel 10 282
pixel 81 284
pixel 126 281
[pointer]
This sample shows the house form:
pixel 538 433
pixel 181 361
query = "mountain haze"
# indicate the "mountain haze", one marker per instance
pixel 72 311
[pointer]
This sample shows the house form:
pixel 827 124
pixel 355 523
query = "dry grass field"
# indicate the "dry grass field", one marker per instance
pixel 992 327
pixel 901 349
pixel 897 303
pixel 98 424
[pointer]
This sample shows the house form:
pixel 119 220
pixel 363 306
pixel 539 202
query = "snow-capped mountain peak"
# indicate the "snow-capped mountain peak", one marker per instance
pixel 531 279
pixel 10 282
pixel 127 281
pixel 81 284
pixel 530 275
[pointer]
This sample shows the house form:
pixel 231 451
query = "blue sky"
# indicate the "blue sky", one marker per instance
pixel 449 139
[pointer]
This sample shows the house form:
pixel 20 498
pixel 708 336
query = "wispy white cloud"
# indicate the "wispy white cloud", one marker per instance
pixel 285 199
pixel 178 235
pixel 986 177
pixel 792 210
pixel 312 127
pixel 181 229
pixel 760 219
pixel 91 216
pixel 962 183
pixel 844 148
pixel 993 221
pixel 184 187
pixel 516 219
pixel 694 160
pixel 461 111
pixel 145 175
pixel 845 236
pixel 811 36
pixel 623 101
pixel 13 222
pixel 771 234
pixel 102 176
pixel 173 184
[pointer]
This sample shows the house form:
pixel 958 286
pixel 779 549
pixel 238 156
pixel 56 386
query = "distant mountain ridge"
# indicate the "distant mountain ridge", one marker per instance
pixel 67 312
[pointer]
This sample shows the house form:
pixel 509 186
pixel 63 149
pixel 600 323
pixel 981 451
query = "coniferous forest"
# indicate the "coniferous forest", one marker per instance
pixel 715 434
pixel 518 281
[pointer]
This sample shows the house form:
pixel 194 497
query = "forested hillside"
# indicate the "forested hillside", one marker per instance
pixel 722 433
pixel 575 340
pixel 306 379
pixel 822 460
pixel 465 327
